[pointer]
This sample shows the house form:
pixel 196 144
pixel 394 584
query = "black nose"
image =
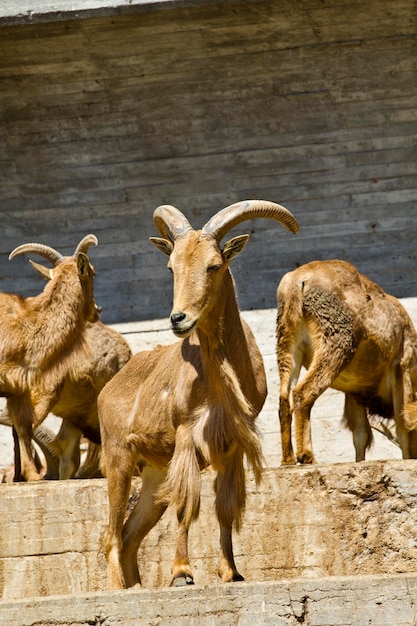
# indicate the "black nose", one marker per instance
pixel 177 318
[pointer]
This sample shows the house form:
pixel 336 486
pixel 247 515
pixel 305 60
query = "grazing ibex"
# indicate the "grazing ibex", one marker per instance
pixel 349 335
pixel 42 339
pixel 177 409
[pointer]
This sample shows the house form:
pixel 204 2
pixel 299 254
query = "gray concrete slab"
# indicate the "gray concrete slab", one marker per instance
pixel 29 12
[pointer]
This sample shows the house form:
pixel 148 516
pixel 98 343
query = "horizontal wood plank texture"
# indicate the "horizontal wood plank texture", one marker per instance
pixel 309 104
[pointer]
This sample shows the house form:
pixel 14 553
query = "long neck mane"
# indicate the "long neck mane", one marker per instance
pixel 228 371
pixel 223 338
pixel 223 430
pixel 56 324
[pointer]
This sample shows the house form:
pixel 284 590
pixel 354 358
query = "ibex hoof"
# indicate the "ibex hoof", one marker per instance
pixel 237 578
pixel 288 462
pixel 305 459
pixel 182 580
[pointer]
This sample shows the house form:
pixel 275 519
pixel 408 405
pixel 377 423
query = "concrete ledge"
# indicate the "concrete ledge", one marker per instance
pixel 14 12
pixel 339 601
pixel 303 522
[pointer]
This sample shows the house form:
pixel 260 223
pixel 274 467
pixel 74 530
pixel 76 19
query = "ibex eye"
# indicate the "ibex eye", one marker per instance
pixel 213 268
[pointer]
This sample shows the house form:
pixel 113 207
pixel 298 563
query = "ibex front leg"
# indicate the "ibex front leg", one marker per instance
pixel 22 417
pixel 118 471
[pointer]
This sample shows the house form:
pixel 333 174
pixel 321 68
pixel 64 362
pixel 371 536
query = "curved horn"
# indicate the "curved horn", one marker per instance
pixel 38 248
pixel 236 213
pixel 85 243
pixel 170 222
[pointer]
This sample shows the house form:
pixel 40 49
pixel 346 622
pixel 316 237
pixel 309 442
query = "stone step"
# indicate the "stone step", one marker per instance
pixel 387 600
pixel 302 522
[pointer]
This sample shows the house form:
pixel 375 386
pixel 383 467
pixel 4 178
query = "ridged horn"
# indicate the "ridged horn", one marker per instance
pixel 239 212
pixel 43 271
pixel 85 243
pixel 170 222
pixel 38 248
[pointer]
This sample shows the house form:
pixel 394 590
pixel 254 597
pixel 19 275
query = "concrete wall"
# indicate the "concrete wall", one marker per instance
pixel 201 104
pixel 329 545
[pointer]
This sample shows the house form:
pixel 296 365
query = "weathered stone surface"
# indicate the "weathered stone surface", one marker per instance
pixel 343 519
pixel 337 601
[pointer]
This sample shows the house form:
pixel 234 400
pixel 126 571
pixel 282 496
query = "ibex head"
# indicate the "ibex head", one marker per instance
pixel 197 261
pixel 84 268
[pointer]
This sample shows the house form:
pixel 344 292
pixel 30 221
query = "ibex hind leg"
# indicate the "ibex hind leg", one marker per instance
pixel 285 418
pixel 355 417
pixel 323 370
pixel 289 366
pixel 145 514
pixel 181 570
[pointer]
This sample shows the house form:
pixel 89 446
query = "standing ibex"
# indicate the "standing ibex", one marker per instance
pixel 349 335
pixel 76 403
pixel 176 409
pixel 42 339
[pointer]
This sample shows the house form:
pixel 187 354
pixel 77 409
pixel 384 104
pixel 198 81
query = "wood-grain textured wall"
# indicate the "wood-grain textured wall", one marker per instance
pixel 312 104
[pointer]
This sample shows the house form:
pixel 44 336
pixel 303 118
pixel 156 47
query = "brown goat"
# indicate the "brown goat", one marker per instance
pixel 76 404
pixel 177 409
pixel 77 401
pixel 42 339
pixel 108 351
pixel 349 335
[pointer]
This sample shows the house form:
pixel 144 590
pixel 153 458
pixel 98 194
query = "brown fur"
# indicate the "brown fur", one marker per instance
pixel 180 408
pixel 352 336
pixel 188 429
pixel 76 404
pixel 42 340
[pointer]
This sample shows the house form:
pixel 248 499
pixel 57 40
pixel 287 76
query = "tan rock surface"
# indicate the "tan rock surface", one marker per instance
pixel 324 520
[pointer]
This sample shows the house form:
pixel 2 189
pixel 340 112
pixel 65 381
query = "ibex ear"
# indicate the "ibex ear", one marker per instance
pixel 82 264
pixel 45 272
pixel 163 245
pixel 232 247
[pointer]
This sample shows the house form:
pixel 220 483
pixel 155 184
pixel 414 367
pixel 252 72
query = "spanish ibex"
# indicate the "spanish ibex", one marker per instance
pixel 42 339
pixel 177 409
pixel 349 335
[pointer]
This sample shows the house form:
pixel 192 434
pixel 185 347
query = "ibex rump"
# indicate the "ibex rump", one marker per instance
pixel 349 335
